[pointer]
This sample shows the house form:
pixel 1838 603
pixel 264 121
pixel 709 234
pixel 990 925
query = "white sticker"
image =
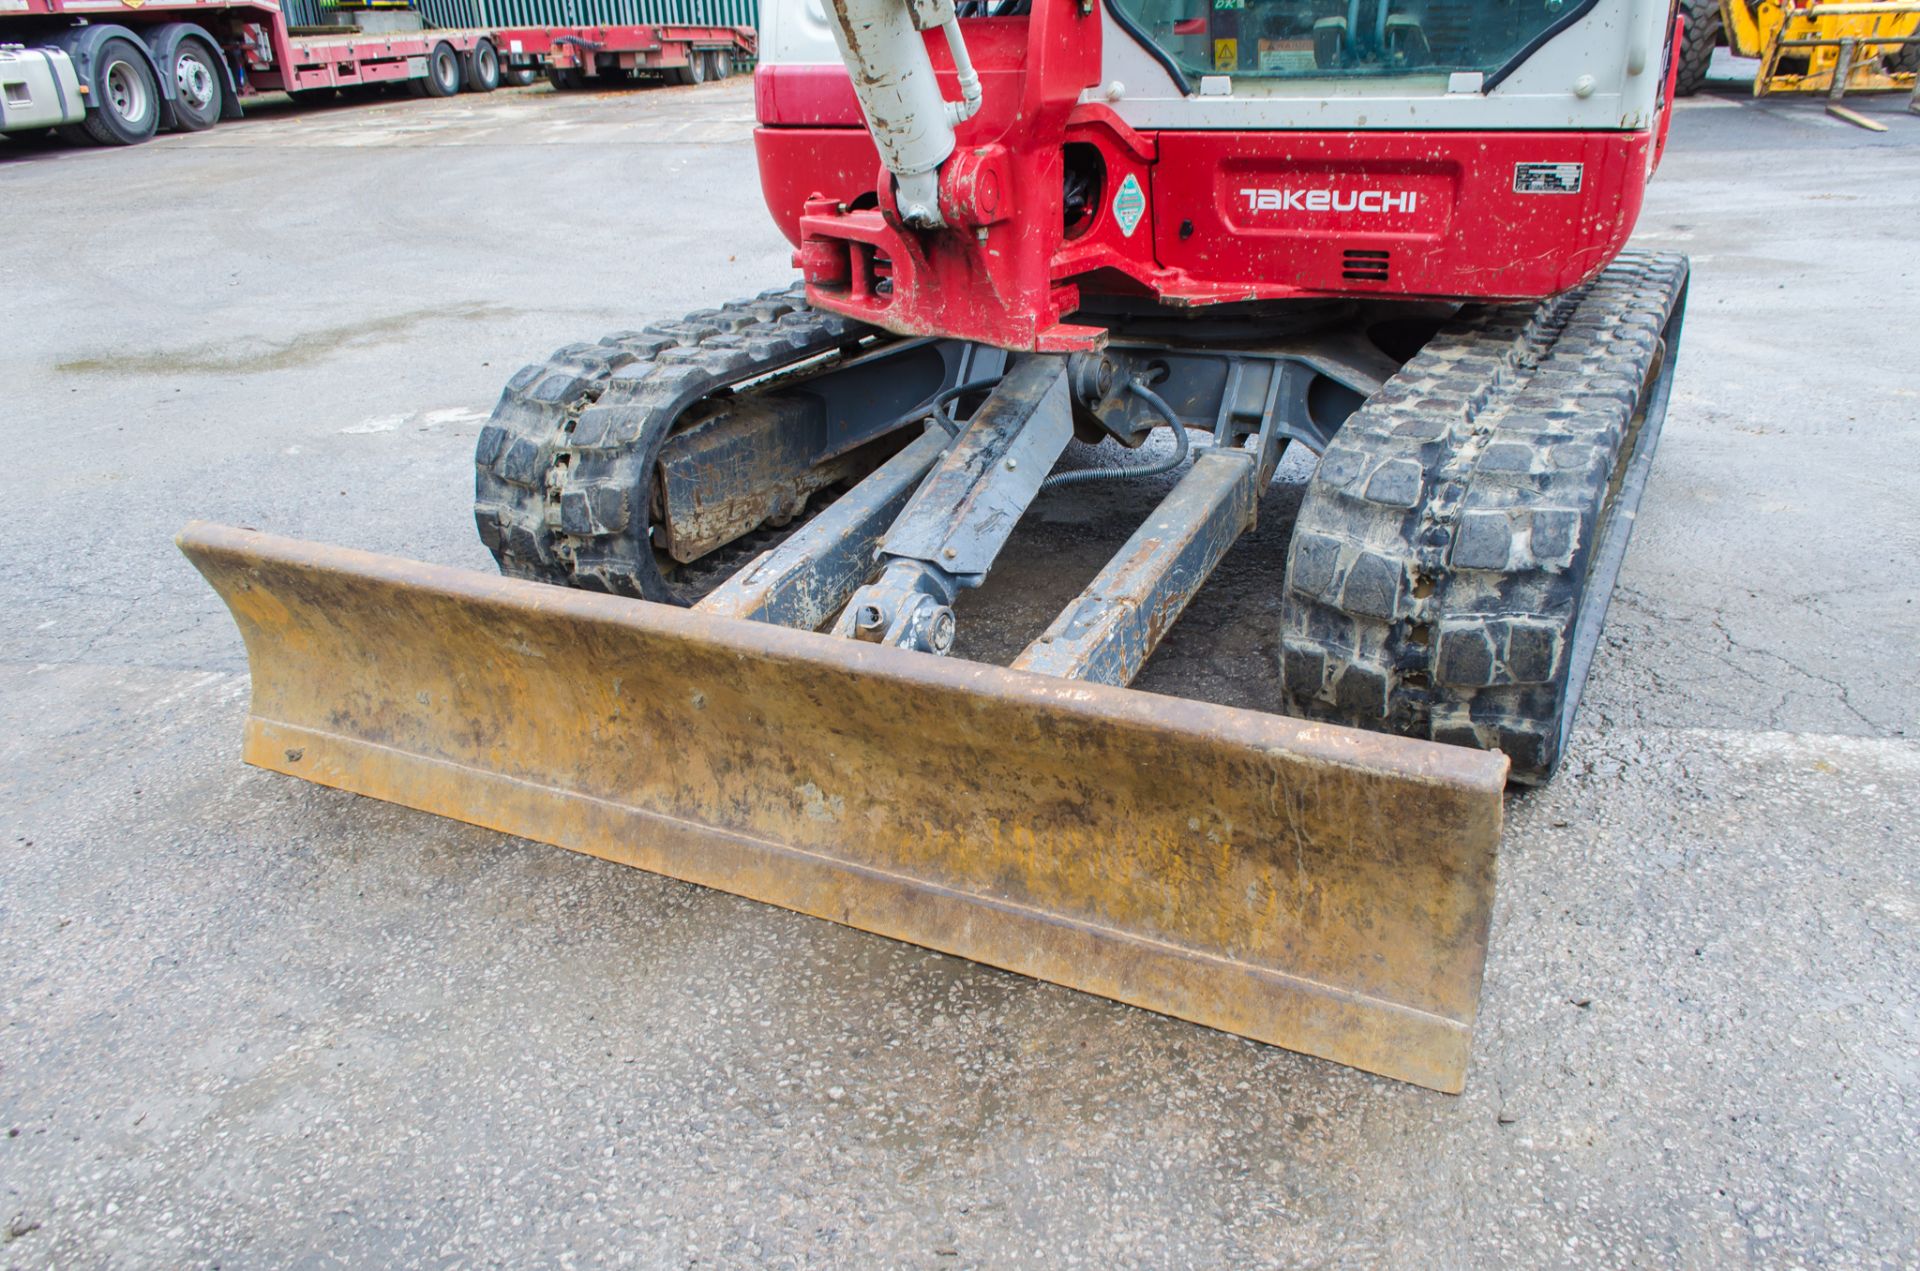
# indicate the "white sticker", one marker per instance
pixel 1129 205
pixel 1547 178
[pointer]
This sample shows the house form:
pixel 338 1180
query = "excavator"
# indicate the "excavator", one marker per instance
pixel 735 548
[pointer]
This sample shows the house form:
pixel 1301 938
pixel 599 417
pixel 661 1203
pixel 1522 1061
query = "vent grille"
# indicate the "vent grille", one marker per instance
pixel 1362 265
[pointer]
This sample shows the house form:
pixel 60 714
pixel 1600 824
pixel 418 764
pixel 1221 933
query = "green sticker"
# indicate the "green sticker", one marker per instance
pixel 1129 205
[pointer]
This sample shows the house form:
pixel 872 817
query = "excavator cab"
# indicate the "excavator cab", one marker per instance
pixel 1276 39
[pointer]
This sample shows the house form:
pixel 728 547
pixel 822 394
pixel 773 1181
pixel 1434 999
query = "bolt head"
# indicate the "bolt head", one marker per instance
pixel 940 635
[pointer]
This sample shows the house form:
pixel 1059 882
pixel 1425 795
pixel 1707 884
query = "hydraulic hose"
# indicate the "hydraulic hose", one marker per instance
pixel 936 405
pixel 1181 445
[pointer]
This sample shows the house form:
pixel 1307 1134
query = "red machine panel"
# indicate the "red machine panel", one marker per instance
pixel 1485 215
pixel 1192 217
pixel 805 96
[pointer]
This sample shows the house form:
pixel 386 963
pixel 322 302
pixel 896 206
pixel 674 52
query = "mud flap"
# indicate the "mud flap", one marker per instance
pixel 1319 888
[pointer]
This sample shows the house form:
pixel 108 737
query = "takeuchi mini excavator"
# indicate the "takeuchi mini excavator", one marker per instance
pixel 736 547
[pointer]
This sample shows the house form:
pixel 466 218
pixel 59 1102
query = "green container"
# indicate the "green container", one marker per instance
pixel 513 13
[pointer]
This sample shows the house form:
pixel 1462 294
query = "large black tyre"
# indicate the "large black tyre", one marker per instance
pixel 443 72
pixel 566 79
pixel 695 71
pixel 123 97
pixel 1906 59
pixel 1702 35
pixel 198 86
pixel 1456 548
pixel 481 71
pixel 519 76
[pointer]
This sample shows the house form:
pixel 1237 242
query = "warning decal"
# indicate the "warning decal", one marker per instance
pixel 1129 205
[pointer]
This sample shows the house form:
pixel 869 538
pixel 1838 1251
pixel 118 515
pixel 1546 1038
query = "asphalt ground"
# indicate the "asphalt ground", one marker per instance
pixel 245 1021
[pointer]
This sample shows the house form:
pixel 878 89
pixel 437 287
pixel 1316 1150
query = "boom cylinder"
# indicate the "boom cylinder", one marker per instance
pixel 912 125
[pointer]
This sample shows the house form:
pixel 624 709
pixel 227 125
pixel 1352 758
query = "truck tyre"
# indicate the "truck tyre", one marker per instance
pixel 197 90
pixel 519 76
pixel 722 64
pixel 124 97
pixel 483 68
pixel 566 79
pixel 695 71
pixel 1696 46
pixel 443 72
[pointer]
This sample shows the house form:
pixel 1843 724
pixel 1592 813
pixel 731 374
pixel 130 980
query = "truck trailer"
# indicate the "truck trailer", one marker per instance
pixel 116 72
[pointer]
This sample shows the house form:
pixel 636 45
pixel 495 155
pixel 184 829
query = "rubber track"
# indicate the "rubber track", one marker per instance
pixel 564 468
pixel 1443 549
pixel 1696 46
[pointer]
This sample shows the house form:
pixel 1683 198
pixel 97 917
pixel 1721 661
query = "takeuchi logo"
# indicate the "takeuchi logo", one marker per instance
pixel 1330 200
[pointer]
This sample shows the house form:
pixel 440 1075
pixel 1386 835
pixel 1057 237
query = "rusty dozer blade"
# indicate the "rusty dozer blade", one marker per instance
pixel 1318 888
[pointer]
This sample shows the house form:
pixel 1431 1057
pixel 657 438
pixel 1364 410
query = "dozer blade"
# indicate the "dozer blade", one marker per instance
pixel 1319 888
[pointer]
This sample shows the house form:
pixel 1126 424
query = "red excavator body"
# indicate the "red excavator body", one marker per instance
pixel 1209 216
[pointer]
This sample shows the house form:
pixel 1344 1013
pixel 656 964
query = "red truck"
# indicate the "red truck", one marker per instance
pixel 115 72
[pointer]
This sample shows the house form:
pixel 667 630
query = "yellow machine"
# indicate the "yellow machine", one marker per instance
pixel 1807 46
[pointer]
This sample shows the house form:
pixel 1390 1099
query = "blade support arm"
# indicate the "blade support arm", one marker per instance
pixel 1112 628
pixel 808 578
pixel 953 528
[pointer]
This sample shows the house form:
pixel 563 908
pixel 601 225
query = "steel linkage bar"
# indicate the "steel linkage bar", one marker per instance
pixel 807 579
pixel 1107 633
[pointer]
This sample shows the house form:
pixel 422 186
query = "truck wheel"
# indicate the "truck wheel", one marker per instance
pixel 1696 46
pixel 695 71
pixel 197 89
pixel 519 76
pixel 483 68
pixel 722 64
pixel 443 71
pixel 566 79
pixel 125 98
